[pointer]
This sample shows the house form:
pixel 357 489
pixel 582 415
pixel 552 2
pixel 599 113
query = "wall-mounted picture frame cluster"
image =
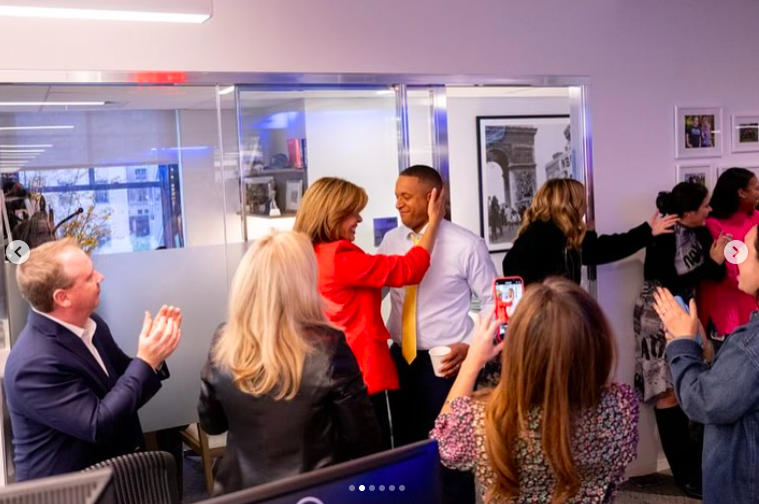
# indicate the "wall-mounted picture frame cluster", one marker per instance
pixel 700 133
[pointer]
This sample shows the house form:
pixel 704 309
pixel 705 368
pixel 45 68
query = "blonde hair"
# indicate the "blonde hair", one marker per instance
pixel 273 301
pixel 563 202
pixel 326 205
pixel 43 273
pixel 558 357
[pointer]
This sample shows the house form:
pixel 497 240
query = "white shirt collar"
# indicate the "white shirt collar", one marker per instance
pixel 85 332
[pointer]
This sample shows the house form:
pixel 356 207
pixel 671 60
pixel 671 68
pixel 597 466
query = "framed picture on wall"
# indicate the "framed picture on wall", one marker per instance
pixel 516 154
pixel 721 169
pixel 745 132
pixel 700 173
pixel 294 190
pixel 698 132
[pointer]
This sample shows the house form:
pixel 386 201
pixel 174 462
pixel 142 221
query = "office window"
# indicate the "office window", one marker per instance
pixel 124 209
pixel 101 196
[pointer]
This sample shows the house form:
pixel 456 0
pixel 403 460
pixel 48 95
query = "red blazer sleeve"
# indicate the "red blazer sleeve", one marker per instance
pixel 356 268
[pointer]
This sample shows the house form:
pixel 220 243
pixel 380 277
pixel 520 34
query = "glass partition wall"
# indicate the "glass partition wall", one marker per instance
pixel 166 185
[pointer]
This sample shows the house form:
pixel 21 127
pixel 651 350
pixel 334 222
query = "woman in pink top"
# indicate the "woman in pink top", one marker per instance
pixel 721 306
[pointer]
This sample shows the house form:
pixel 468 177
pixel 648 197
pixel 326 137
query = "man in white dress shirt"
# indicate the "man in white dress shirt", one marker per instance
pixel 434 313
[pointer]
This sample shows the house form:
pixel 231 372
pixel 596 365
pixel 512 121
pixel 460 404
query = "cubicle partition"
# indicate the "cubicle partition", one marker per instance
pixel 176 179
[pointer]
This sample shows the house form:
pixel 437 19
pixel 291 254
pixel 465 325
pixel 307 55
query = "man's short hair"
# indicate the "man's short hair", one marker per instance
pixel 43 273
pixel 425 174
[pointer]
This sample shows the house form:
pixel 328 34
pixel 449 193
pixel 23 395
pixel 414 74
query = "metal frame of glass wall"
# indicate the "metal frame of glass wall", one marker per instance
pixel 436 83
pixel 400 84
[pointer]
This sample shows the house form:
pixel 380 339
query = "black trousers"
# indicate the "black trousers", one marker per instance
pixel 414 409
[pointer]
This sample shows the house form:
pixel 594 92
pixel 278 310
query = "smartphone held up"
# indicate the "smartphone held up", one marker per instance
pixel 507 292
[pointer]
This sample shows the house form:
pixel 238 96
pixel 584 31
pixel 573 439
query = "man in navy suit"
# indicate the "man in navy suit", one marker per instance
pixel 73 395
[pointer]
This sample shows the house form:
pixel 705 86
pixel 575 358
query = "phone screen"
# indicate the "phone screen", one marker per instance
pixel 507 293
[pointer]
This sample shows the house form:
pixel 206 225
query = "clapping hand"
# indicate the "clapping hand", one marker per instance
pixel 677 322
pixel 160 336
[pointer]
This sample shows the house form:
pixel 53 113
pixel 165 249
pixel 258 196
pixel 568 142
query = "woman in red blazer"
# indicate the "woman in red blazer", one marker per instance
pixel 351 281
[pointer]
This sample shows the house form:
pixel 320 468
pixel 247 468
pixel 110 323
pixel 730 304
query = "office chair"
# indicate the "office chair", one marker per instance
pixel 148 477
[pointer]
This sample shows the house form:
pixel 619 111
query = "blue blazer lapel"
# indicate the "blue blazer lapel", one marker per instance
pixel 105 355
pixel 73 344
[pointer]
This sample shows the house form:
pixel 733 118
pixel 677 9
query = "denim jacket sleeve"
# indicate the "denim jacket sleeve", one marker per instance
pixel 724 392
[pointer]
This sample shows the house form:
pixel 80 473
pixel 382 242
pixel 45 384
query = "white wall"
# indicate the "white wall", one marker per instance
pixel 643 58
pixel 356 139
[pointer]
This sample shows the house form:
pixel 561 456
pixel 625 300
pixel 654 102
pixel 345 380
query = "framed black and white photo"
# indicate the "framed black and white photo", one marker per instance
pixel 698 132
pixel 700 173
pixel 745 132
pixel 516 155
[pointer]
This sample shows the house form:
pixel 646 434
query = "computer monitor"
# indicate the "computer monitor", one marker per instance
pixel 92 487
pixel 407 475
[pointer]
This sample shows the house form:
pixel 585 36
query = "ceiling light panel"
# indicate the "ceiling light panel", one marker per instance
pixel 52 104
pixel 22 128
pixel 166 11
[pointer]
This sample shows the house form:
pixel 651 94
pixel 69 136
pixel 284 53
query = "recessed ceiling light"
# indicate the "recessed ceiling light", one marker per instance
pixel 226 90
pixel 52 104
pixel 102 14
pixel 20 151
pixel 9 128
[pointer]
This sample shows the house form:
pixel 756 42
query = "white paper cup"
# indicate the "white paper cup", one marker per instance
pixel 436 356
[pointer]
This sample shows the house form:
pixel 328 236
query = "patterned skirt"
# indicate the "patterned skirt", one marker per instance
pixel 652 375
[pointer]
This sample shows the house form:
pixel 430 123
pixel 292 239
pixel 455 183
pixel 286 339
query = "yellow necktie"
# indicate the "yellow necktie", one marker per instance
pixel 408 342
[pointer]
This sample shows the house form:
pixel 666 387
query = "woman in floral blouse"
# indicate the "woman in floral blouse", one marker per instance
pixel 554 429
